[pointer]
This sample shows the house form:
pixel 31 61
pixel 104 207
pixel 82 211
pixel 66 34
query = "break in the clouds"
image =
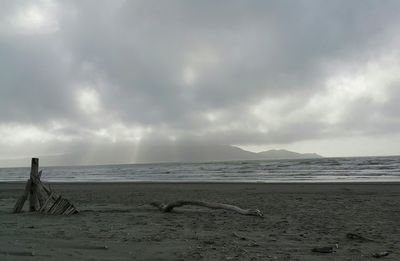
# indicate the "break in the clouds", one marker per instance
pixel 307 75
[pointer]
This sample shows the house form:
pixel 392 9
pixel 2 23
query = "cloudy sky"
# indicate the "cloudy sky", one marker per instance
pixel 310 76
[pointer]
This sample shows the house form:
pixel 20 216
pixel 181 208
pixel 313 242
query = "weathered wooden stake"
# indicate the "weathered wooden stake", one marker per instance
pixel 34 177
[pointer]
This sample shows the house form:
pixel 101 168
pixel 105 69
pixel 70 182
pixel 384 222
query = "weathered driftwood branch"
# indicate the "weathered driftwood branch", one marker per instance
pixel 170 206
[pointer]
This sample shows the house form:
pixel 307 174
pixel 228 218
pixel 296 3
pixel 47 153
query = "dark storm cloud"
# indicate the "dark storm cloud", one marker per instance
pixel 34 82
pixel 264 49
pixel 168 65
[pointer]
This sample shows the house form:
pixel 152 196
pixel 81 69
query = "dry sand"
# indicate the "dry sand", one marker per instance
pixel 116 223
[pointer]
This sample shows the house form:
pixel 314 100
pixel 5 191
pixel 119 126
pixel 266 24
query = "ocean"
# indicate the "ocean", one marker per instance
pixel 353 169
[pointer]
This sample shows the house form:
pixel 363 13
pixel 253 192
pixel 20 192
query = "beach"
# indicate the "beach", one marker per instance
pixel 116 222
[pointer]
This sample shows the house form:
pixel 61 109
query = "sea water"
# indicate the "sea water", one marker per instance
pixel 354 169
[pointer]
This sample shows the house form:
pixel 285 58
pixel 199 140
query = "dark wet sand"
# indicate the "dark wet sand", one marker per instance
pixel 116 223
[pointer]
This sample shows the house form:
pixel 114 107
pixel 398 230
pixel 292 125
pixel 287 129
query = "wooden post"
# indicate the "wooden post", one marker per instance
pixel 34 176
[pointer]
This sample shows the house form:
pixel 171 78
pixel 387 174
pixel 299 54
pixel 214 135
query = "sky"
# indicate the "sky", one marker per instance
pixel 103 78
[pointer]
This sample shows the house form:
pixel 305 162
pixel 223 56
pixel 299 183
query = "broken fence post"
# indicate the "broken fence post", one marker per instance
pixel 41 198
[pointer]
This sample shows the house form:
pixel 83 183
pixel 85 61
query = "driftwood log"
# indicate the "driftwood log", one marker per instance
pixel 41 197
pixel 170 206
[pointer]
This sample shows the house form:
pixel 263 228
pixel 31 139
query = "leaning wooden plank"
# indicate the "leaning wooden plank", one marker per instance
pixel 66 208
pixel 37 185
pixel 46 208
pixel 69 210
pixel 50 210
pixel 19 204
pixel 61 207
pixel 72 210
pixel 57 208
pixel 51 207
pixel 56 204
pixel 168 207
pixel 65 213
pixel 46 191
pixel 21 201
pixel 46 204
pixel 44 188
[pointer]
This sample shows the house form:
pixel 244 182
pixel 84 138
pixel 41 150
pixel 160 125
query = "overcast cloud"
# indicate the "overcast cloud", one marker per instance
pixel 310 75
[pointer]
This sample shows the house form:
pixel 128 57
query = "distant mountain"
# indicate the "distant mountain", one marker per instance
pixel 155 152
pixel 189 152
pixel 285 154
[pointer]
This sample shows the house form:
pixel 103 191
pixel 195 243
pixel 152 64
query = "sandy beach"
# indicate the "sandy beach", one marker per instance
pixel 117 223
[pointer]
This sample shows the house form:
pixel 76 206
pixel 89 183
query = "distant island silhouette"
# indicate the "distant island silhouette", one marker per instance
pixel 157 153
